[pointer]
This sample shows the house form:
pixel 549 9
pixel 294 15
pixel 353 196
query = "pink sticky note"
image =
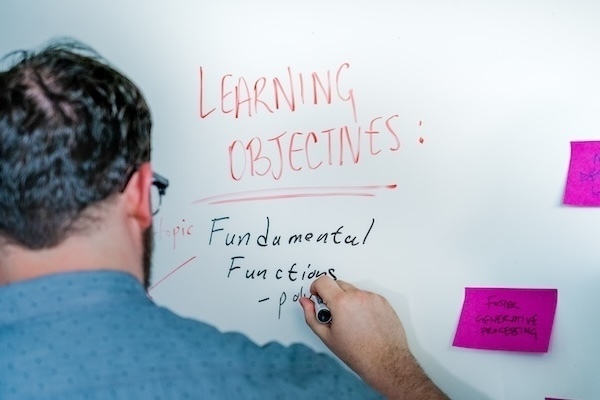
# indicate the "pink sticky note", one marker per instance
pixel 583 178
pixel 507 319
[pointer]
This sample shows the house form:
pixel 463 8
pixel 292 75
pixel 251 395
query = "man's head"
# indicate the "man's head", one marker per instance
pixel 72 131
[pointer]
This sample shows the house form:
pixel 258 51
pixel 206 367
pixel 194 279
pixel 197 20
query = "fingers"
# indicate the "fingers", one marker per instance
pixel 331 292
pixel 346 287
pixel 326 288
pixel 309 309
pixel 311 320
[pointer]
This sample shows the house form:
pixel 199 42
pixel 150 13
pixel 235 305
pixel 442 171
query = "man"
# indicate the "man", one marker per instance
pixel 75 246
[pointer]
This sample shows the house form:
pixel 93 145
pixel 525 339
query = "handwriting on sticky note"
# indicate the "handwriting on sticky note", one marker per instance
pixel 583 178
pixel 507 319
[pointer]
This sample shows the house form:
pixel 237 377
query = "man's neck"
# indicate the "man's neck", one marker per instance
pixel 76 253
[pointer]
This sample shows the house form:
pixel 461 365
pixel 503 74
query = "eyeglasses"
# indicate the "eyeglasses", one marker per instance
pixel 157 190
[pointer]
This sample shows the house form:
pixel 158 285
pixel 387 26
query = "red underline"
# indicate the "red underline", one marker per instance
pixel 169 274
pixel 295 192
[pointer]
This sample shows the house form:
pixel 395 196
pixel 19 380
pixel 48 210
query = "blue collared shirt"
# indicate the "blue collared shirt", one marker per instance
pixel 96 335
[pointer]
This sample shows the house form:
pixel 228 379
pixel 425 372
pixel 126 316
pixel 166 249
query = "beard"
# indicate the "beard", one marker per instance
pixel 148 248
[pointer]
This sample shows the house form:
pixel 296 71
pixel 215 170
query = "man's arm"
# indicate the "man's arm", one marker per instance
pixel 368 336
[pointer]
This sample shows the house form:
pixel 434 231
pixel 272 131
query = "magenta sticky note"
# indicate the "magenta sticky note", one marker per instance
pixel 507 319
pixel 583 178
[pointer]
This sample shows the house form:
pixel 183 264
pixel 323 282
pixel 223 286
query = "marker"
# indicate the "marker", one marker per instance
pixel 321 310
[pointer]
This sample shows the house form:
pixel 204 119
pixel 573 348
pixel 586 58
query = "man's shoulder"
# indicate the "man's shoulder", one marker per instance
pixel 117 336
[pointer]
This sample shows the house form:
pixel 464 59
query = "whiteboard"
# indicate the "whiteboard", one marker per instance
pixel 465 111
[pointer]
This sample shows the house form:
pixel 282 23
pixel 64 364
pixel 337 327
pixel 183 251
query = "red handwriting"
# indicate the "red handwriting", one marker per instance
pixel 313 150
pixel 295 192
pixel 272 155
pixel 173 232
pixel 170 273
pixel 239 95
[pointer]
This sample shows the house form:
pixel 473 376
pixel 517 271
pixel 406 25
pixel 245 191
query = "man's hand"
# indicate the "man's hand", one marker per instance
pixel 368 336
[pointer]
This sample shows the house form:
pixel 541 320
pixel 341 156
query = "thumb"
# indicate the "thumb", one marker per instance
pixel 321 330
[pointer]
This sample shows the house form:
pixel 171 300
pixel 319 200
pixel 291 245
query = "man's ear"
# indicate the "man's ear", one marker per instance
pixel 137 195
